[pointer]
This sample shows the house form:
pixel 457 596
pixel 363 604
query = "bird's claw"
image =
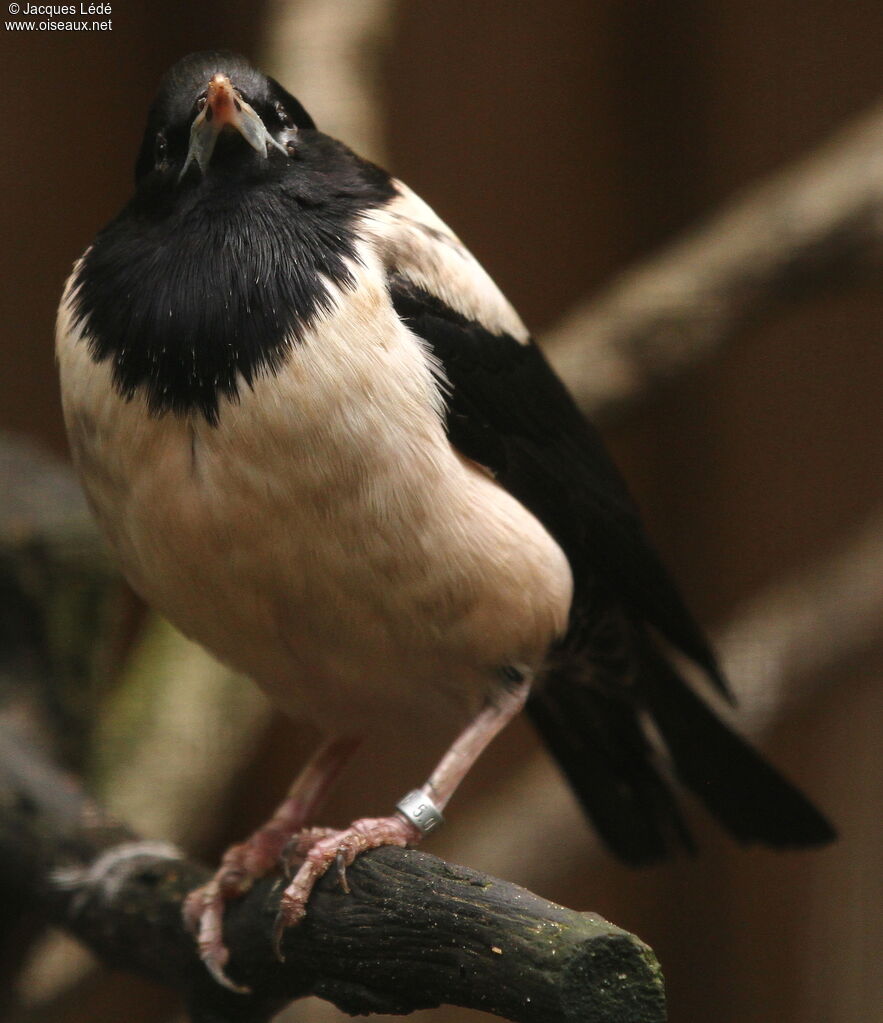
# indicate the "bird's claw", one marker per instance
pixel 203 908
pixel 340 865
pixel 317 849
pixel 203 914
pixel 320 848
pixel 216 970
pixel 279 928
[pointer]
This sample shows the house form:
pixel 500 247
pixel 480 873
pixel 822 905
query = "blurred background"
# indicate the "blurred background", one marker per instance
pixel 563 142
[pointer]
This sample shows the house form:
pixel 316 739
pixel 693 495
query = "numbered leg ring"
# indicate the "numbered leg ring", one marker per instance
pixel 420 810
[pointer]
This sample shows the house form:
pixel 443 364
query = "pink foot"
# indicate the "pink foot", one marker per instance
pixel 320 848
pixel 241 866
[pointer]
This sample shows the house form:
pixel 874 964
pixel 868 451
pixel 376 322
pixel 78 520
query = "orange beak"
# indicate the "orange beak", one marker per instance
pixel 221 103
pixel 224 107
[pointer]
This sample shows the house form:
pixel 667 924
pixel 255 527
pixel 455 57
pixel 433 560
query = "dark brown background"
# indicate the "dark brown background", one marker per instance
pixel 561 141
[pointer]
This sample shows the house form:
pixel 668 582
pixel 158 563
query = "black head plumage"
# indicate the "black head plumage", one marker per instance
pixel 205 280
pixel 174 106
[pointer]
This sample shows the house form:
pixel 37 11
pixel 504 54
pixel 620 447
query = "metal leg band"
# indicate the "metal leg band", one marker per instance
pixel 420 810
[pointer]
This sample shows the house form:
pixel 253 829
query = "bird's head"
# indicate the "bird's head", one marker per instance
pixel 214 113
pixel 239 235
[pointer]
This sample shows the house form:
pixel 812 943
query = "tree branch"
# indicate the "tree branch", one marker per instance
pixel 414 932
pixel 800 229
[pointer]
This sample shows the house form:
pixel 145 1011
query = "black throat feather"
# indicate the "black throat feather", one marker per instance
pixel 193 294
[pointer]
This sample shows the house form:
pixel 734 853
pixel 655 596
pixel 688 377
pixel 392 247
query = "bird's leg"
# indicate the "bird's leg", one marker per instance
pixel 244 863
pixel 477 736
pixel 320 849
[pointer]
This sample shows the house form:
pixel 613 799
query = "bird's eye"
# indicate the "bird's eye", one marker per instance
pixel 160 149
pixel 200 103
pixel 284 116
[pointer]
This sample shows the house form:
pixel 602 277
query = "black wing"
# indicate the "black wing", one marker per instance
pixel 509 412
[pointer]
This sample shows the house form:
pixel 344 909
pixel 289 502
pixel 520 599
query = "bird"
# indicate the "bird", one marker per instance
pixel 323 444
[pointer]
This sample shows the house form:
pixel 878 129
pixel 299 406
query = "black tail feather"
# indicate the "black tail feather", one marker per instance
pixel 746 794
pixel 596 736
pixel 599 745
